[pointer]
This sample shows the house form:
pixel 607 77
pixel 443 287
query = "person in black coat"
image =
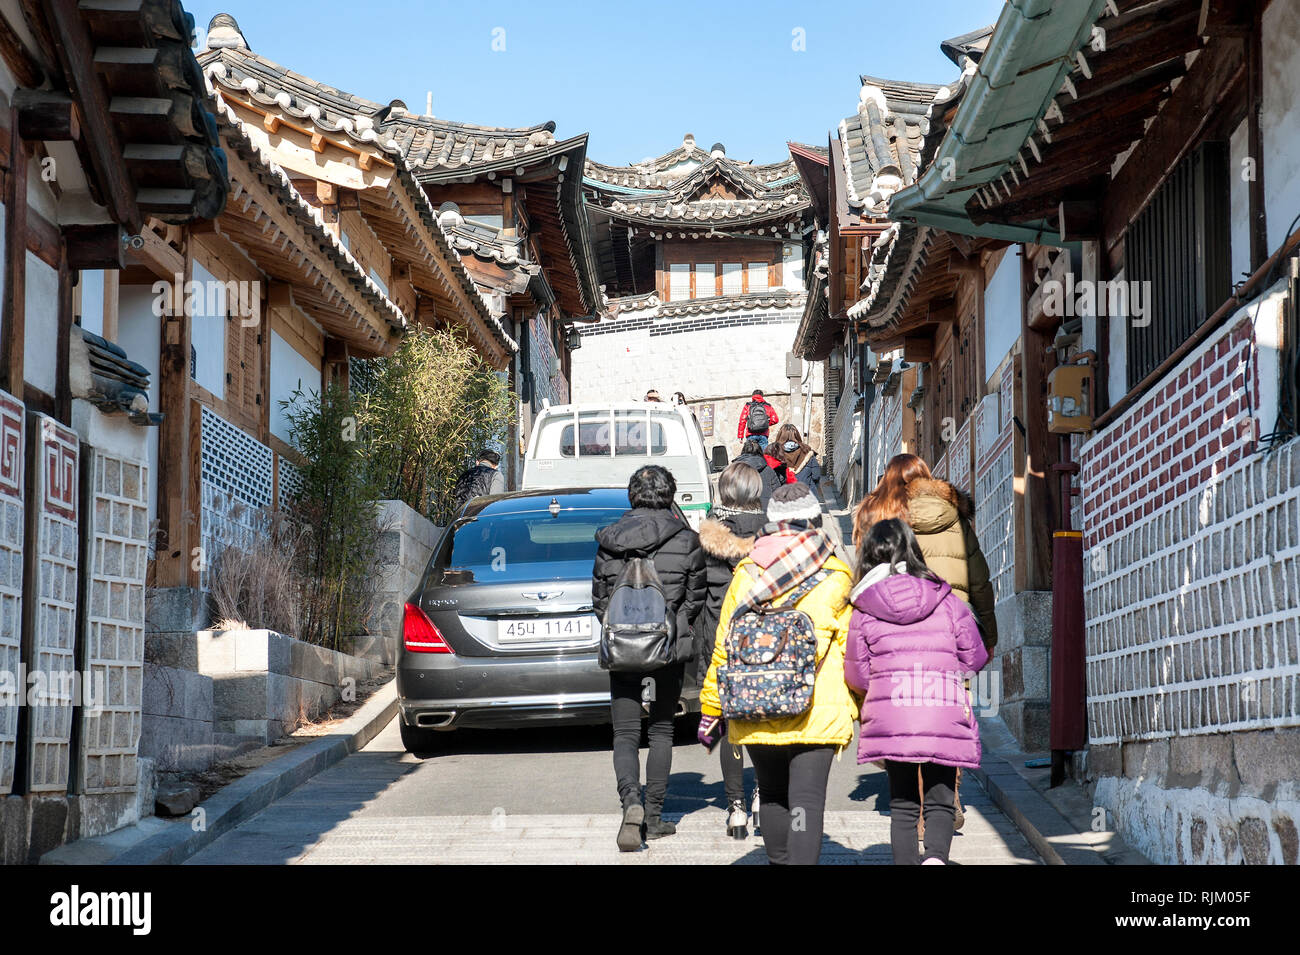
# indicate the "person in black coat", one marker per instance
pixel 751 453
pixel 649 529
pixel 727 538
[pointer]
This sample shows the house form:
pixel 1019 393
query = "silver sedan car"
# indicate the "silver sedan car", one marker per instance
pixel 501 630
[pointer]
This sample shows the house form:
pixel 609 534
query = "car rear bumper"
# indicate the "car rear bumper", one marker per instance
pixel 446 692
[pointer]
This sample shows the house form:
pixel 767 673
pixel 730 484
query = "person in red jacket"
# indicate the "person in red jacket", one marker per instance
pixel 752 417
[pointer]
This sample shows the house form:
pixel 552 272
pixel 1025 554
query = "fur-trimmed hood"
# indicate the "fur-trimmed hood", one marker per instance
pixel 720 541
pixel 935 505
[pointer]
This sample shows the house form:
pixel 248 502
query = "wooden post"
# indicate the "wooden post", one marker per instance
pixel 1040 495
pixel 173 551
pixel 112 280
pixel 1255 139
pixel 63 344
pixel 15 266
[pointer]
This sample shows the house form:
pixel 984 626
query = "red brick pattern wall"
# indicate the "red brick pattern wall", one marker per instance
pixel 1195 424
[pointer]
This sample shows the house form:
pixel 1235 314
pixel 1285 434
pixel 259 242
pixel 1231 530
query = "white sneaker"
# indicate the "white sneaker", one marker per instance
pixel 933 860
pixel 737 821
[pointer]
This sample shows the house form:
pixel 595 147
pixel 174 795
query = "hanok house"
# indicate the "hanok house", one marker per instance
pixel 1142 155
pixel 108 126
pixel 511 202
pixel 702 261
pixel 505 257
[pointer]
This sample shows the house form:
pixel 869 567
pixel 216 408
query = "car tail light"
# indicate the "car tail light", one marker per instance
pixel 419 635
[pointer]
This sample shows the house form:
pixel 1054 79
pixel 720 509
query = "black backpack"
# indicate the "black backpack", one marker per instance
pixel 475 482
pixel 757 418
pixel 637 630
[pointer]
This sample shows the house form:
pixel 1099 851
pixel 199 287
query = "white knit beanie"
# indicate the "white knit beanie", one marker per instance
pixel 793 502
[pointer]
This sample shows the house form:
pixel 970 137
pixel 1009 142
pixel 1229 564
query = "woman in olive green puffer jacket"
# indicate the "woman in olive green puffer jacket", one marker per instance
pixel 943 519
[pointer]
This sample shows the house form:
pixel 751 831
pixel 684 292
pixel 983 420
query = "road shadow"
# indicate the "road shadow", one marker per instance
pixel 286 828
pixel 562 737
pixel 872 790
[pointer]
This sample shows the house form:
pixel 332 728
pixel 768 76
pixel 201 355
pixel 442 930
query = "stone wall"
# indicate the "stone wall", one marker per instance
pixel 1192 601
pixel 266 684
pixel 404 550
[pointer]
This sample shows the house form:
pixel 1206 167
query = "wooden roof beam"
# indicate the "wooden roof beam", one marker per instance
pixel 77 56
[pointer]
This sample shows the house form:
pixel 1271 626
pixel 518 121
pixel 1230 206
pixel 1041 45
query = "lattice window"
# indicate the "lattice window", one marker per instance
pixel 995 491
pixel 236 487
pixel 12 445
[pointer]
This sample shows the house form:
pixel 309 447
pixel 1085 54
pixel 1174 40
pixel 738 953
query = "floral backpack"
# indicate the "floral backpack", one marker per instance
pixel 771 659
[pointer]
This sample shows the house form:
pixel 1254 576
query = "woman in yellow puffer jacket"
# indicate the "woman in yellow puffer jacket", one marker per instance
pixel 792 755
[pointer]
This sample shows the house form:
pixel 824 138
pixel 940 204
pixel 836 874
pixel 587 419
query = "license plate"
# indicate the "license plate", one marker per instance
pixel 540 629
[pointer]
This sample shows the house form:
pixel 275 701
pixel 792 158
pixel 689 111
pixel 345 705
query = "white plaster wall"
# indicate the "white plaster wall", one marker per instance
pixel 1281 118
pixel 92 300
pixel 139 332
pixel 792 267
pixel 208 336
pixel 290 372
pixel 1238 205
pixel 42 330
pixel 712 362
pixel 1002 310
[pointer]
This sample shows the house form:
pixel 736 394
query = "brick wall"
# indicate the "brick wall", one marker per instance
pixel 1192 599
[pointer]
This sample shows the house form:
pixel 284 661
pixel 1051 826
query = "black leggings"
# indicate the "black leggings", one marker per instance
pixel 905 809
pixel 733 770
pixel 792 795
pixel 627 692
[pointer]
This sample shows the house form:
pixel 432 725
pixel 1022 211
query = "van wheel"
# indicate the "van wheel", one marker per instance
pixel 417 740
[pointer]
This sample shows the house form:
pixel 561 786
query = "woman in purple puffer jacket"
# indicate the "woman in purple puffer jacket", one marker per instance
pixel 912 644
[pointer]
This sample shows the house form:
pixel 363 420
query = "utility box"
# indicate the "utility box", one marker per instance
pixel 1069 399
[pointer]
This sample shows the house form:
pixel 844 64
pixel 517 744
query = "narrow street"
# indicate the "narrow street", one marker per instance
pixel 547 796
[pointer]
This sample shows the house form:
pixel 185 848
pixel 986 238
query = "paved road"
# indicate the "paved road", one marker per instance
pixel 547 796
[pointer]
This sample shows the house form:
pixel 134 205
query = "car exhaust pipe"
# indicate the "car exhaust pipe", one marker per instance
pixel 433 720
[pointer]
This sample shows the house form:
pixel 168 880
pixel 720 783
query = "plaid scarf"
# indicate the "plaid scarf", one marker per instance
pixel 805 553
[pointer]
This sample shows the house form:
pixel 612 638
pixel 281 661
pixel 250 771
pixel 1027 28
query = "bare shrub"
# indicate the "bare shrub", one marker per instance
pixel 258 585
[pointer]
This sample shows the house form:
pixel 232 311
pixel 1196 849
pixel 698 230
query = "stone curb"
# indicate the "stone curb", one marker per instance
pixel 245 797
pixel 1037 805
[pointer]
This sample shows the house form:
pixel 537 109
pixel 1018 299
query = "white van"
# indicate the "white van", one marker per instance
pixel 601 445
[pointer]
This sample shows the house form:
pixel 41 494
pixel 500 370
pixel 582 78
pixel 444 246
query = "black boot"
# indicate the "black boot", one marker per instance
pixel 657 827
pixel 629 831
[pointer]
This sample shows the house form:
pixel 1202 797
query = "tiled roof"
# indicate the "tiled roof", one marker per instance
pixel 665 172
pixel 775 298
pixel 709 210
pixel 898 255
pixel 816 335
pixel 883 140
pixel 430 145
pixel 666 191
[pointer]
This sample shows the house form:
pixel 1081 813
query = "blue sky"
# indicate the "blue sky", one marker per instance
pixel 635 77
